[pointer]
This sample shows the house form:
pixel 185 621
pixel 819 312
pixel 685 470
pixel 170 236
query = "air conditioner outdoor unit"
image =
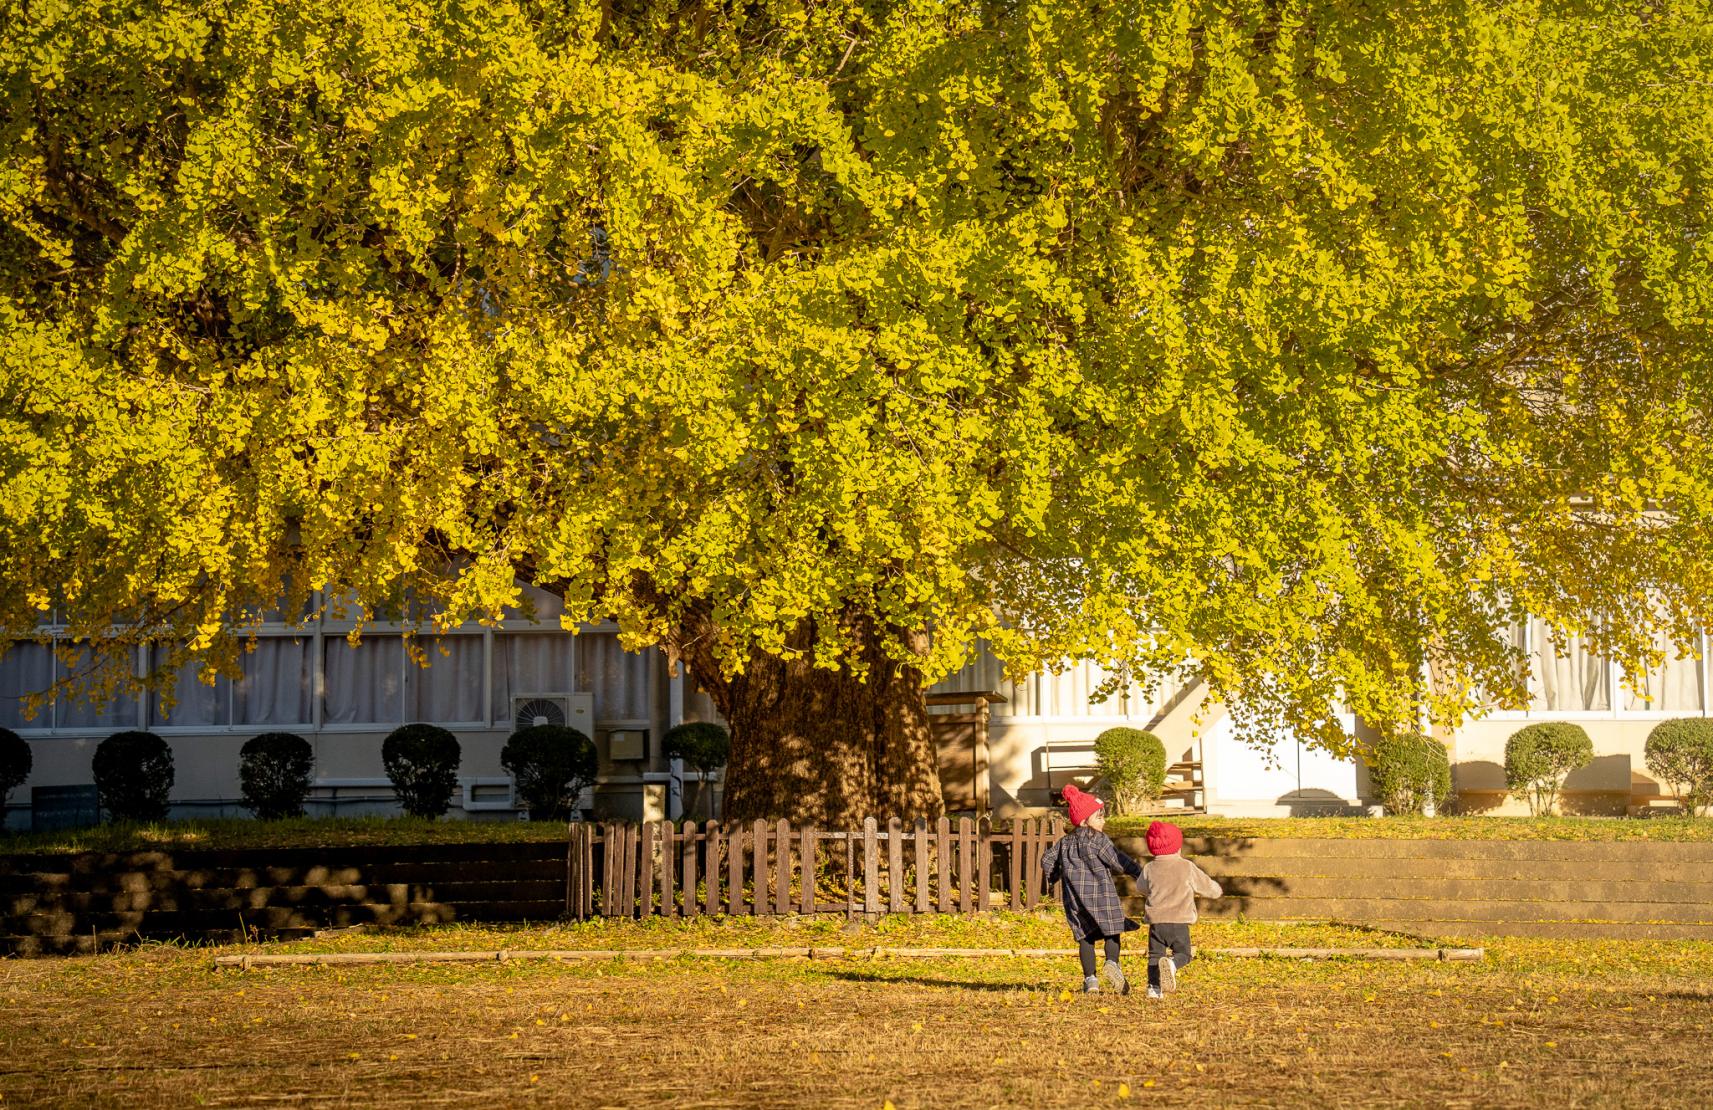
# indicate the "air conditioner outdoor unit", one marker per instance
pixel 575 710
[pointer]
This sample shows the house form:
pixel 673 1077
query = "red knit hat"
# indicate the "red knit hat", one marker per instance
pixel 1081 805
pixel 1164 838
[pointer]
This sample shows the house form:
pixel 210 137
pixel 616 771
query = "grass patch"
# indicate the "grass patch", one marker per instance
pixel 996 930
pixel 1573 1024
pixel 302 832
pixel 1661 829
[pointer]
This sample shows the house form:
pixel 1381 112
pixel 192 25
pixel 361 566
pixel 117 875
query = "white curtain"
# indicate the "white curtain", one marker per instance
pixel 619 679
pixel 73 709
pixel 365 684
pixel 1674 686
pixel 449 690
pixel 530 663
pixel 278 683
pixel 194 703
pixel 1577 681
pixel 24 670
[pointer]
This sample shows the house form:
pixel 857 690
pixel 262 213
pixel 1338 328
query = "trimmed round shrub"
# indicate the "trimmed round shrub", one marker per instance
pixel 1680 752
pixel 15 762
pixel 274 770
pixel 133 776
pixel 551 765
pixel 1133 761
pixel 1407 769
pixel 703 746
pixel 422 762
pixel 1538 757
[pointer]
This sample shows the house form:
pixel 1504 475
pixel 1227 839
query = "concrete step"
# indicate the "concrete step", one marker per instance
pixel 1369 910
pixel 1592 931
pixel 1473 889
pixel 1358 870
pixel 1632 852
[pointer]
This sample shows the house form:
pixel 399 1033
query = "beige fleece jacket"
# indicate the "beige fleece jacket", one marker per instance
pixel 1171 884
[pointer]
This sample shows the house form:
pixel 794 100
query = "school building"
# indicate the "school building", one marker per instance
pixel 1004 746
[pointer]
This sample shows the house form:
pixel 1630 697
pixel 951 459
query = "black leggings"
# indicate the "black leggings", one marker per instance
pixel 1085 952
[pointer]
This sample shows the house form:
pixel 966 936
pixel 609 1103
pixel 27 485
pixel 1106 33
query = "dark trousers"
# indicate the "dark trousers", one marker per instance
pixel 1085 952
pixel 1161 937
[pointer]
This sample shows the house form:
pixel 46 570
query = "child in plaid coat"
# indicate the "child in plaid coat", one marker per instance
pixel 1085 859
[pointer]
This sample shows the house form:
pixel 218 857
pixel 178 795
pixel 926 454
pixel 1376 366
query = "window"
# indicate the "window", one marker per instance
pixel 1582 683
pixel 619 679
pixel 311 676
pixel 1567 678
pixel 1677 685
pixel 32 668
pixel 278 687
pixel 449 689
pixel 364 684
pixel 530 663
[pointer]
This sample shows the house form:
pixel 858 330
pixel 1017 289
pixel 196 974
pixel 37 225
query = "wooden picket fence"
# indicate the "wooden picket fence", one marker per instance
pixel 768 867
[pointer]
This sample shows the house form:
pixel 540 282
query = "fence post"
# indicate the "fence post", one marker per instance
pixel 808 862
pixel 850 874
pixel 782 867
pixel 919 832
pixel 984 863
pixel 711 905
pixel 734 871
pixel 648 835
pixel 1013 866
pixel 571 871
pixel 1032 863
pixel 870 867
pixel 668 869
pixel 894 865
pixel 943 857
pixel 966 863
pixel 687 882
pixel 612 855
pixel 760 904
pixel 629 877
pixel 587 886
pixel 1050 835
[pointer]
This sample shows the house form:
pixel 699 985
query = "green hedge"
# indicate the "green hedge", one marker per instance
pixel 133 774
pixel 1538 757
pixel 15 762
pixel 1133 762
pixel 551 765
pixel 422 762
pixel 1407 769
pixel 273 772
pixel 1680 752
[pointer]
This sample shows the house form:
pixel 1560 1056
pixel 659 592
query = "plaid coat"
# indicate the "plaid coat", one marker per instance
pixel 1085 861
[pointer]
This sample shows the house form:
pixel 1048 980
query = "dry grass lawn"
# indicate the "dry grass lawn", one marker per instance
pixel 1538 1023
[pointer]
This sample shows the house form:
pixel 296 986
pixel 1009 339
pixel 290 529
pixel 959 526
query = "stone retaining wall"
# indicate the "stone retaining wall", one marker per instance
pixel 1433 888
pixel 1464 888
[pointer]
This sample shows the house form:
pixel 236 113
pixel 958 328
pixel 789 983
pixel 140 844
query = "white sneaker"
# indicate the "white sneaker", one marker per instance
pixel 1168 974
pixel 1114 977
pixel 1091 985
pixel 1154 992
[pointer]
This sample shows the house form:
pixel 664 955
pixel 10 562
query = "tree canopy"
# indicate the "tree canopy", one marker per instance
pixel 1312 341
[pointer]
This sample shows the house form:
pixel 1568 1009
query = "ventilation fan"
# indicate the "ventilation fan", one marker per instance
pixel 540 711
pixel 554 708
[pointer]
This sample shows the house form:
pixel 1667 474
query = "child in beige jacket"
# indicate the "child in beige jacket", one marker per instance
pixel 1170 884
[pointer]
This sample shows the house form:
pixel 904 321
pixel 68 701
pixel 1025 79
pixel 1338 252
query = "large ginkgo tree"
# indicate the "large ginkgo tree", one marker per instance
pixel 1303 344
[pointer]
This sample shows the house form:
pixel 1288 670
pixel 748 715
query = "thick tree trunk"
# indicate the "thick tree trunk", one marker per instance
pixel 822 746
